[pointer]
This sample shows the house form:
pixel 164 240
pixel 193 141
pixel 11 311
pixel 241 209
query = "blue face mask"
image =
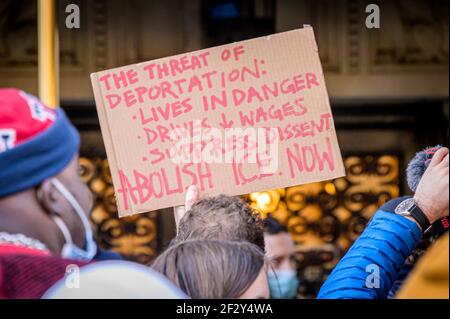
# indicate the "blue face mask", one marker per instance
pixel 283 284
pixel 70 250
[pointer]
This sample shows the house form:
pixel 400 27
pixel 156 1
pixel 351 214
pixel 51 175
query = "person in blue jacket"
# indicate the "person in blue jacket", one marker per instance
pixel 374 261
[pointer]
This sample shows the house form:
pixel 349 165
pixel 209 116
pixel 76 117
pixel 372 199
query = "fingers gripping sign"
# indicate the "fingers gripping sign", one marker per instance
pixel 192 195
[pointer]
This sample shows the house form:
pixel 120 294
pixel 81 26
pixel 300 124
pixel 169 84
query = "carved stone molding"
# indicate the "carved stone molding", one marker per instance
pixel 100 33
pixel 18 34
pixel 413 37
pixel 409 51
pixel 354 25
pixel 325 17
pixel 148 30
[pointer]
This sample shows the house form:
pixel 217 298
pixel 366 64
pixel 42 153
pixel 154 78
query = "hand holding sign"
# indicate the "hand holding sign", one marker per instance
pixel 233 119
pixel 192 195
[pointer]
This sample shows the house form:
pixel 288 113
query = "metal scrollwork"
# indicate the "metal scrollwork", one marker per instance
pixel 326 218
pixel 135 237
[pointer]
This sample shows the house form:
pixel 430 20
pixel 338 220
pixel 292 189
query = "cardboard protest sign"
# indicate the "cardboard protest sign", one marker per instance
pixel 234 119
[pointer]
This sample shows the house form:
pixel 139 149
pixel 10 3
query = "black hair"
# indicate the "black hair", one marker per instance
pixel 273 226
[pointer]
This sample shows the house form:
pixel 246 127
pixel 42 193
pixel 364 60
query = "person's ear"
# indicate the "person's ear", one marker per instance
pixel 50 199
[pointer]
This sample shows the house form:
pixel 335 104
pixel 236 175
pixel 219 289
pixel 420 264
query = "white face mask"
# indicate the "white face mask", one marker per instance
pixel 70 250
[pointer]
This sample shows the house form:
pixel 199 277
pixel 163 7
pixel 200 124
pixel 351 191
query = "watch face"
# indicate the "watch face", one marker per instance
pixel 404 207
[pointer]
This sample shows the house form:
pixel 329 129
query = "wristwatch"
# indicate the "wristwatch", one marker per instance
pixel 410 208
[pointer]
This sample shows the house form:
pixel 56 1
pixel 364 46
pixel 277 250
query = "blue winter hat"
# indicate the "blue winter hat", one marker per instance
pixel 36 142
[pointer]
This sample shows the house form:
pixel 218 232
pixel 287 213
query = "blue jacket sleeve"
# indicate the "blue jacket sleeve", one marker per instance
pixel 371 265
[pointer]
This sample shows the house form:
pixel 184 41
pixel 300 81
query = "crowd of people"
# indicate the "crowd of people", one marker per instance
pixel 222 248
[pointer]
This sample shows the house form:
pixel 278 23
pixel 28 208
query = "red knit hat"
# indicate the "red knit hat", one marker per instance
pixel 36 142
pixel 22 116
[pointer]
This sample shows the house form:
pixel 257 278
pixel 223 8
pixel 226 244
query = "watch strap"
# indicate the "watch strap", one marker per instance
pixel 420 217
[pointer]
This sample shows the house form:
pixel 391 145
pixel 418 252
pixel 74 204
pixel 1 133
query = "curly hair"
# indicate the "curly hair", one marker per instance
pixel 222 217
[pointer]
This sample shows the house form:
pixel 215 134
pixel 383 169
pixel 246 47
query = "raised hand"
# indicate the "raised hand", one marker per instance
pixel 432 192
pixel 192 195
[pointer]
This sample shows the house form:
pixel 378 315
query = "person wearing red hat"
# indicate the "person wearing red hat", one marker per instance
pixel 44 204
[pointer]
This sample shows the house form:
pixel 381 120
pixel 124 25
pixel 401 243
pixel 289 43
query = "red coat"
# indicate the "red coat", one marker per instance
pixel 27 273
